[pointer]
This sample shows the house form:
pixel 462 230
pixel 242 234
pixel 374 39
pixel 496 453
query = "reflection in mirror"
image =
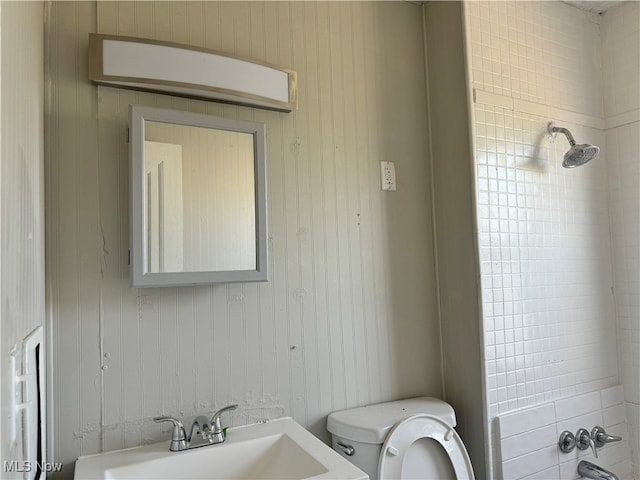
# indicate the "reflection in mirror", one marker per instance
pixel 201 200
pixel 195 173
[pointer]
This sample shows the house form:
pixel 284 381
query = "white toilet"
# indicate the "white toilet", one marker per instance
pixel 411 438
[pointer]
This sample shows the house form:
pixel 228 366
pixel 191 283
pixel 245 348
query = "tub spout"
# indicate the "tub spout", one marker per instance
pixel 590 470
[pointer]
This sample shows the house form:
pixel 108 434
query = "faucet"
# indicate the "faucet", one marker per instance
pixel 600 437
pixel 203 426
pixel 583 440
pixel 218 435
pixel 210 431
pixel 178 437
pixel 590 470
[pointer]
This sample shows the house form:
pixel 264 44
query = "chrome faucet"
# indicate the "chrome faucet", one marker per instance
pixel 201 425
pixel 217 436
pixel 210 431
pixel 178 436
pixel 590 470
pixel 600 437
pixel 583 440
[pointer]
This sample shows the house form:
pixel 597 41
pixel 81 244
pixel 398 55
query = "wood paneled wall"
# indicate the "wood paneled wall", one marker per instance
pixel 348 317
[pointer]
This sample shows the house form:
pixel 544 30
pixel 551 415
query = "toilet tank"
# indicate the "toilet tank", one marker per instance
pixel 365 428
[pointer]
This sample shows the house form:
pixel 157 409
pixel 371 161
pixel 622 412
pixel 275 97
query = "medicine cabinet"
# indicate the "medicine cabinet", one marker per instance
pixel 197 198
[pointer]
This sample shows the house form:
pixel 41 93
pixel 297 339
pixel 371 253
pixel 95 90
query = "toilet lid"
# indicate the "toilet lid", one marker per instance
pixel 405 433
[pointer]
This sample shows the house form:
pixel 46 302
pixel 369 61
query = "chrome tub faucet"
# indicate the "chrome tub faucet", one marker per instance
pixel 210 431
pixel 593 471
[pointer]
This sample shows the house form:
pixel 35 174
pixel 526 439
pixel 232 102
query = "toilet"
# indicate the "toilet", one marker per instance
pixel 412 438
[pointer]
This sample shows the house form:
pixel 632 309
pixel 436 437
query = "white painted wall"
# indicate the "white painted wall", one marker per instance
pixel 455 236
pixel 550 328
pixel 621 59
pixel 348 317
pixel 22 304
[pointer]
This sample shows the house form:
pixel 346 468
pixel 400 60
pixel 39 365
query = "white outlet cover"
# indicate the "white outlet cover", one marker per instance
pixel 388 176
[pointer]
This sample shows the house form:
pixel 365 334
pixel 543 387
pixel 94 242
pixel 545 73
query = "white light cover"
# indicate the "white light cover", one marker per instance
pixel 189 71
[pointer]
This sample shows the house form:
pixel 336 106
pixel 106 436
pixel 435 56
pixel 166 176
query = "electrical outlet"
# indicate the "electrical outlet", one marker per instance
pixel 388 176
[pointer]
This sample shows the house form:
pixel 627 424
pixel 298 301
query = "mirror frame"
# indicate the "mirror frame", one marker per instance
pixel 139 277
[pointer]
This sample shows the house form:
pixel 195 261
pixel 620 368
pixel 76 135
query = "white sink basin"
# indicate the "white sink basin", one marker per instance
pixel 279 449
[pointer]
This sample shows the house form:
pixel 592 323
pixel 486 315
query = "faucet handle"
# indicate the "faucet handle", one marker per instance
pixel 567 441
pixel 600 437
pixel 584 441
pixel 178 436
pixel 217 435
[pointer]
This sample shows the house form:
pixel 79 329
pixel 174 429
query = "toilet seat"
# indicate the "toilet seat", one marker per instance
pixel 408 431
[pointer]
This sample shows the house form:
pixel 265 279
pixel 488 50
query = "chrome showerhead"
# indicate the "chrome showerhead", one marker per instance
pixel 577 154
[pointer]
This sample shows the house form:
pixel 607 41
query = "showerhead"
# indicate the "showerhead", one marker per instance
pixel 577 154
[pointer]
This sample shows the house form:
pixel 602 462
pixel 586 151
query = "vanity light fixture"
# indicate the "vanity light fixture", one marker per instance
pixel 188 71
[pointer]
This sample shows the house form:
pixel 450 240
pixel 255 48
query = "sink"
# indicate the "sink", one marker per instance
pixel 279 449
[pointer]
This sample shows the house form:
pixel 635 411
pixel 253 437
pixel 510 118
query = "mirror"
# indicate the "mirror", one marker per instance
pixel 198 199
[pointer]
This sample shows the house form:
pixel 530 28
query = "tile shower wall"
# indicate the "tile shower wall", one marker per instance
pixel 547 53
pixel 624 198
pixel 22 286
pixel 544 231
pixel 545 265
pixel 348 316
pixel 621 57
pixel 528 438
